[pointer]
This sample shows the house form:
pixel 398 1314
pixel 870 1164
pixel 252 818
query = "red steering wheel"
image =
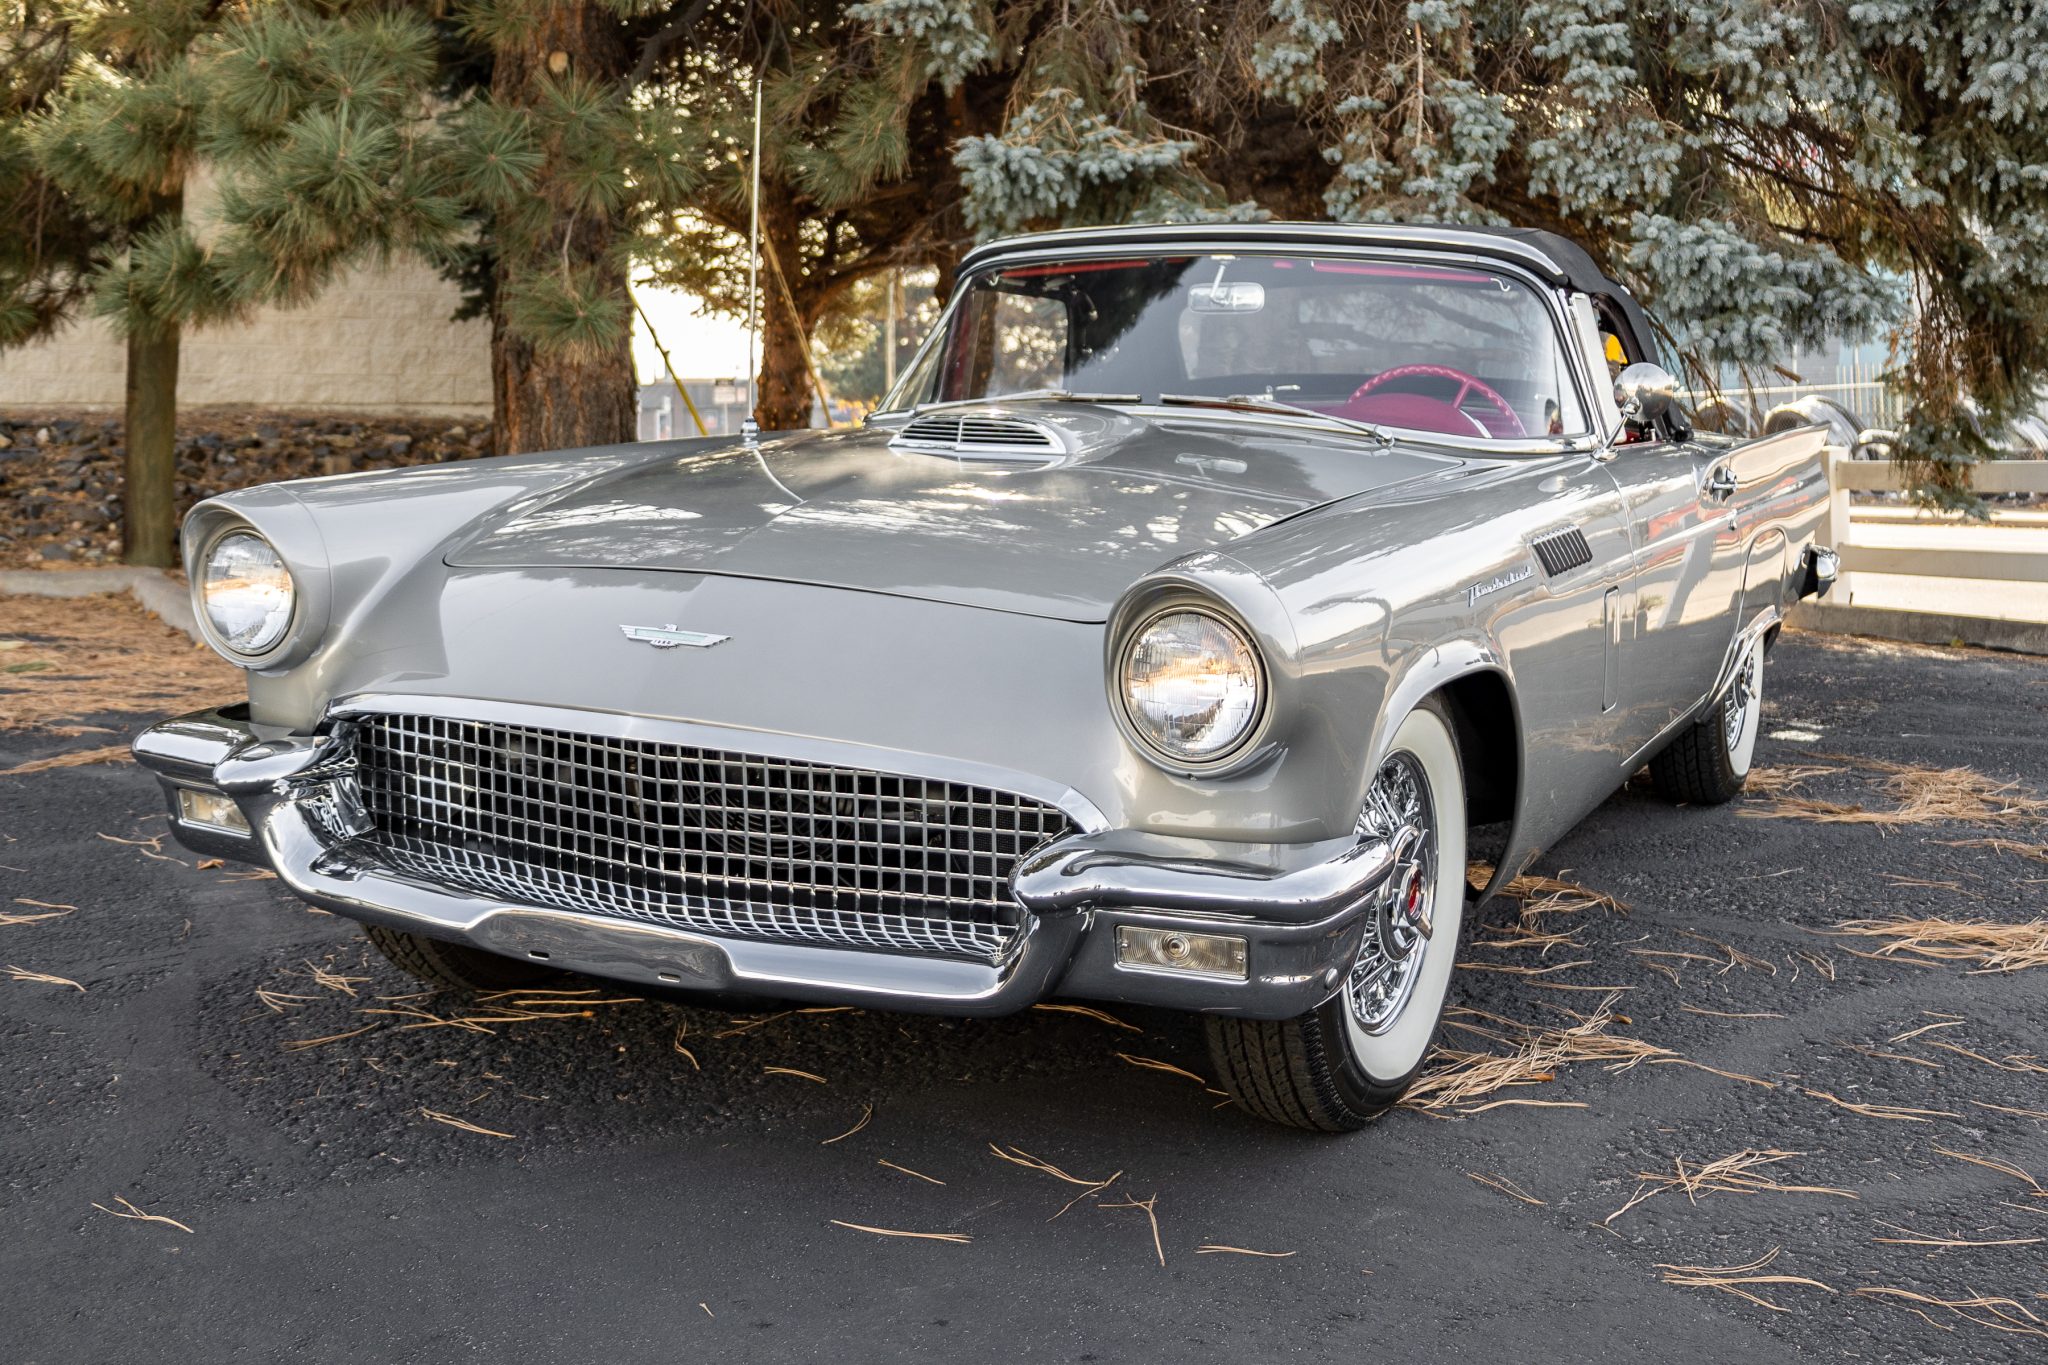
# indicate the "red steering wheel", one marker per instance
pixel 1508 424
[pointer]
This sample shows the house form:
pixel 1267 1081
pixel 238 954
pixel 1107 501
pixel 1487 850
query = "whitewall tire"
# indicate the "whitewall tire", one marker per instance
pixel 1338 1066
pixel 1710 759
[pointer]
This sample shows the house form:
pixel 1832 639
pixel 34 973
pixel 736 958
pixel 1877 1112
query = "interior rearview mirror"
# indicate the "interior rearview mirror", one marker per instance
pixel 1239 296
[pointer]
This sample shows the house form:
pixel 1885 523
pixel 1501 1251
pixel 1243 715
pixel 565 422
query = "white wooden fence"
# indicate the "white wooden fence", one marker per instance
pixel 1970 552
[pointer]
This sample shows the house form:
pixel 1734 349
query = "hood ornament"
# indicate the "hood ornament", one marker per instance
pixel 668 637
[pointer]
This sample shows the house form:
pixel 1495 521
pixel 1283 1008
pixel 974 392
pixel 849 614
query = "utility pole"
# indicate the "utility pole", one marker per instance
pixel 889 336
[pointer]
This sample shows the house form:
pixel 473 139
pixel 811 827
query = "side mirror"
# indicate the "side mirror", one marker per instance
pixel 1646 393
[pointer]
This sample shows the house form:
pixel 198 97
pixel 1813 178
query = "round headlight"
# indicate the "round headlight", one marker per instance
pixel 247 592
pixel 1191 685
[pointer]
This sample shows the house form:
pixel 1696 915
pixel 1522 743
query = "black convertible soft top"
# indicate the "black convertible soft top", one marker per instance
pixel 1557 259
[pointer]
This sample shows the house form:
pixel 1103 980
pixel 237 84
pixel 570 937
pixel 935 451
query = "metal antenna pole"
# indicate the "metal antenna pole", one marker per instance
pixel 750 428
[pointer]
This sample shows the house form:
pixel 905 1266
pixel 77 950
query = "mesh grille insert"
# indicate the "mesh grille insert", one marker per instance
pixel 700 839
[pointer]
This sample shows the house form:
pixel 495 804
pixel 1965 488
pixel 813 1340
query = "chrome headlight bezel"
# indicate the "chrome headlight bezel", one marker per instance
pixel 1143 735
pixel 201 573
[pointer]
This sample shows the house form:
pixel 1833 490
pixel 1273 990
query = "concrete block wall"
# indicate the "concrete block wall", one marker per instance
pixel 378 341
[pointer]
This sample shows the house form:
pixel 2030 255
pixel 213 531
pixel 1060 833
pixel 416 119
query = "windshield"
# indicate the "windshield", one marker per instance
pixel 1457 350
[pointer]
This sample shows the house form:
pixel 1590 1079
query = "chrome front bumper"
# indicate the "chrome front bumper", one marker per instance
pixel 1300 908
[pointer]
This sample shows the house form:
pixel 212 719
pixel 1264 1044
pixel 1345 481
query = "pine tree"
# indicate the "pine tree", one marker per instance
pixel 1766 173
pixel 512 146
pixel 100 134
pixel 856 175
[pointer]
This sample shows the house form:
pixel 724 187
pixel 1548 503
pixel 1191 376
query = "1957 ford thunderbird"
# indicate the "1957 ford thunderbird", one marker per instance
pixel 1200 606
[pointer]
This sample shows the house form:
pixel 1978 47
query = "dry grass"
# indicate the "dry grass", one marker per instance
pixel 128 1210
pixel 1090 1189
pixel 82 655
pixel 1458 1079
pixel 1992 1163
pixel 792 1071
pixel 1910 1238
pixel 42 978
pixel 2015 1061
pixel 1539 896
pixel 1099 1016
pixel 958 1238
pixel 1737 1279
pixel 1741 1173
pixel 2006 1315
pixel 464 1124
pixel 2038 1115
pixel 867 1111
pixel 2036 852
pixel 1506 1187
pixel 1017 1156
pixel 741 1026
pixel 1990 945
pixel 1217 1249
pixel 1154 1064
pixel 1894 1112
pixel 49 909
pixel 1150 1207
pixel 930 1179
pixel 1729 1014
pixel 1775 782
pixel 1916 795
pixel 111 753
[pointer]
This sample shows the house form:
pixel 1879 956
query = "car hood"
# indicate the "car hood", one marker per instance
pixel 1060 536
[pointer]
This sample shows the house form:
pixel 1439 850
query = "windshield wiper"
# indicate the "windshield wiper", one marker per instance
pixel 1245 402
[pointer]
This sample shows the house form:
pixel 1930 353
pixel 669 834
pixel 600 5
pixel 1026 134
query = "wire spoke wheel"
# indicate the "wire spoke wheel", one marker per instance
pixel 1398 811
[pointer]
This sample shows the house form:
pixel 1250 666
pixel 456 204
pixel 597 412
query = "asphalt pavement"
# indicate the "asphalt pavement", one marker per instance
pixel 655 1181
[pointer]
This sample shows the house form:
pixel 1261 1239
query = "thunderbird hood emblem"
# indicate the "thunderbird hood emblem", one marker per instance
pixel 668 637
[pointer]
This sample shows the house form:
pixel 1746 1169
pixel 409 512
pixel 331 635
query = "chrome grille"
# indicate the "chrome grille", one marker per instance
pixel 700 839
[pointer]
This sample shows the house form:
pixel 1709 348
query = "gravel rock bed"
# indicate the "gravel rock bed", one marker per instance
pixel 60 473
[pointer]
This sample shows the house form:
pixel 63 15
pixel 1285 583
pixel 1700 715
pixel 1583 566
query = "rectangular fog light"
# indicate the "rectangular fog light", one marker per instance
pixel 210 810
pixel 1172 950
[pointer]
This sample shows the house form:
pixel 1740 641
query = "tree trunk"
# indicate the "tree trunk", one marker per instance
pixel 549 401
pixel 783 394
pixel 149 495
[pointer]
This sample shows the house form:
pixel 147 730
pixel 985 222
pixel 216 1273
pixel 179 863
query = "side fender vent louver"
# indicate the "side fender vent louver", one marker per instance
pixel 977 435
pixel 1562 551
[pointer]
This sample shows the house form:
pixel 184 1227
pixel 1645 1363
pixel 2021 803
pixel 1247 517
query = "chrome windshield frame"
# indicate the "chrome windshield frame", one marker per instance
pixel 1554 297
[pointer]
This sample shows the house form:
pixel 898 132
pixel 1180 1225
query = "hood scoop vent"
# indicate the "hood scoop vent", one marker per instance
pixel 979 435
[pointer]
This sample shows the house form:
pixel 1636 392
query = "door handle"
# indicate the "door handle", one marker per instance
pixel 1721 482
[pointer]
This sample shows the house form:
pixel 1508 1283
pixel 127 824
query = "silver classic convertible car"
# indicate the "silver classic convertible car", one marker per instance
pixel 1201 608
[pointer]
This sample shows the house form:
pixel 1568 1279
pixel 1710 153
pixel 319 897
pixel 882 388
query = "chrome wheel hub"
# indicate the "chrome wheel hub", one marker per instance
pixel 1742 694
pixel 1397 811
